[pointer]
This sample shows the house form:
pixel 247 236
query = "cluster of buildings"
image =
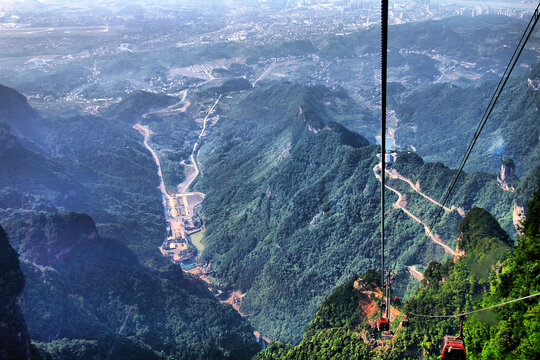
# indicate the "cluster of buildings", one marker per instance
pixel 182 222
pixel 307 19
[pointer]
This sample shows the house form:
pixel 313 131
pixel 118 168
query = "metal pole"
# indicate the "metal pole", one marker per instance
pixel 384 46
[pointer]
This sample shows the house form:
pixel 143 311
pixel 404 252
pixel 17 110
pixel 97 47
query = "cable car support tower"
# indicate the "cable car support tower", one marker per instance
pixel 383 324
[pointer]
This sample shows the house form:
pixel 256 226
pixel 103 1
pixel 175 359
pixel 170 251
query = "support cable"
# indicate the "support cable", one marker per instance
pixel 384 55
pixel 471 312
pixel 498 90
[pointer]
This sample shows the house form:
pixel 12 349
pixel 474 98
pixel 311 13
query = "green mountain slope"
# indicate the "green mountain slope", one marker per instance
pixel 450 288
pixel 82 163
pixel 136 104
pixel 490 272
pixel 33 172
pixel 268 173
pixel 119 177
pixel 89 295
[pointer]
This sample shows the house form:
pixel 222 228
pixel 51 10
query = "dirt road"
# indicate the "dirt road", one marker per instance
pixel 399 205
pixel 415 273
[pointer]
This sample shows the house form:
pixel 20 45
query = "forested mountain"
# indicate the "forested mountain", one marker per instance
pixel 290 192
pixel 482 277
pixel 136 104
pixel 32 172
pixel 290 203
pixel 490 272
pixel 89 297
pixel 437 119
pixel 81 163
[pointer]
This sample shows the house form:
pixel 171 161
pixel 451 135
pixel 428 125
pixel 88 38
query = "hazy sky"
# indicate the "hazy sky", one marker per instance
pixel 28 4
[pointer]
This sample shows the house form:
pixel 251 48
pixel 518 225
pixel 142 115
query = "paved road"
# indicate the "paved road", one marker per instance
pixel 264 74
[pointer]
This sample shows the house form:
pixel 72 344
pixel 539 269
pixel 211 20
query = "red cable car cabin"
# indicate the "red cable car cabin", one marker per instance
pixel 453 348
pixel 383 324
pixel 396 299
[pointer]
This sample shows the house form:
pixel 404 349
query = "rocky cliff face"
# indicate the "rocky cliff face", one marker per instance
pixel 14 338
pixel 459 251
pixel 507 175
pixel 506 178
pixel 518 216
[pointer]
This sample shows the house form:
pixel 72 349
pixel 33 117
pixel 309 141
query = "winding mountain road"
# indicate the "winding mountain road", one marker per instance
pixel 145 132
pixel 416 187
pixel 399 205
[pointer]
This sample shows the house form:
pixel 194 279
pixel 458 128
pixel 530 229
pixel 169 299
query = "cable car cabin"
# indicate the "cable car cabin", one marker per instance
pixel 453 348
pixel 396 299
pixel 393 278
pixel 383 324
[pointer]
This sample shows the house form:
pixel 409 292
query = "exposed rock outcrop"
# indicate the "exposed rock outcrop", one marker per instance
pixel 507 175
pixel 518 215
pixel 459 251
